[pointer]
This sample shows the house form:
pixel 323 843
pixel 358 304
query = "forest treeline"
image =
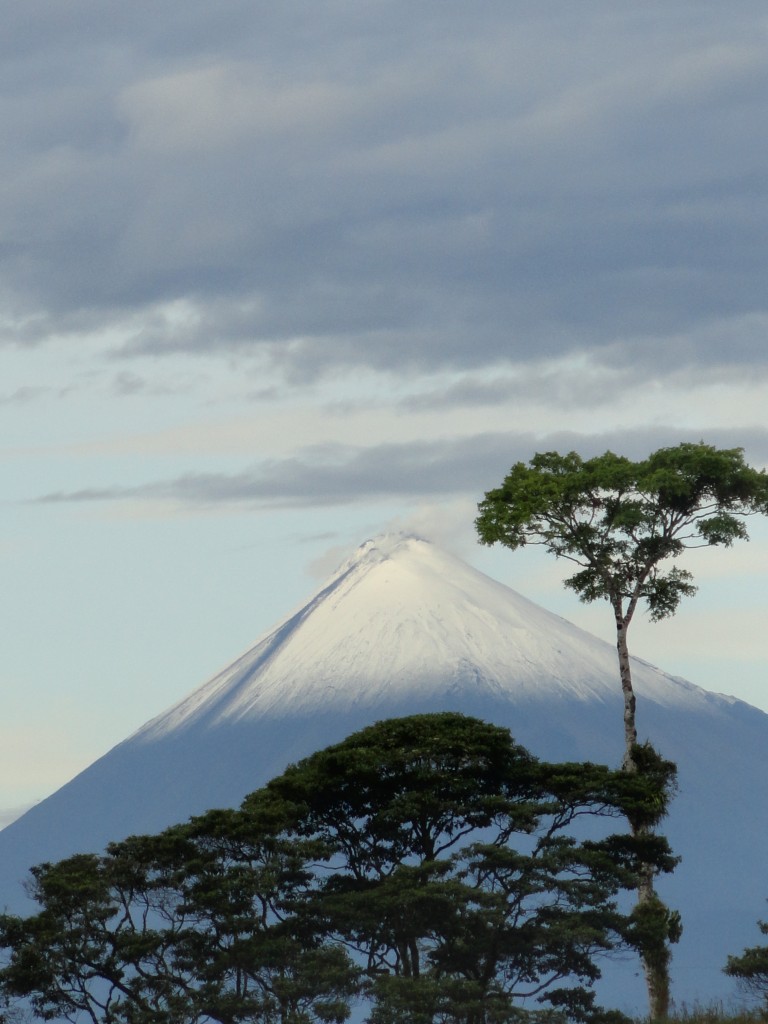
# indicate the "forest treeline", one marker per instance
pixel 427 868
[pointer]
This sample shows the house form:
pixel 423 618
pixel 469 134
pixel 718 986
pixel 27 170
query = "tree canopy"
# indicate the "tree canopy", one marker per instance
pixel 429 865
pixel 622 522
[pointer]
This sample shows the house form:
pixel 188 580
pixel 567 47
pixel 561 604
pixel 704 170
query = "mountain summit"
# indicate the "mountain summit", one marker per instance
pixel 401 628
pixel 403 619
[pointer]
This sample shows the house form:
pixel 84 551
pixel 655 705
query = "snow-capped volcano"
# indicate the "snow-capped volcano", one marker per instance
pixel 400 618
pixel 401 628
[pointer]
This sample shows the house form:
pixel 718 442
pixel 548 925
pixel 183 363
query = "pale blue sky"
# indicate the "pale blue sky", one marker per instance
pixel 275 278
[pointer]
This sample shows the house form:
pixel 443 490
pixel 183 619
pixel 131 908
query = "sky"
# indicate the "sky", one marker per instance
pixel 275 278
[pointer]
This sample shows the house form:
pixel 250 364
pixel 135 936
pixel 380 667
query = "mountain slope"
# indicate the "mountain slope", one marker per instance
pixel 402 628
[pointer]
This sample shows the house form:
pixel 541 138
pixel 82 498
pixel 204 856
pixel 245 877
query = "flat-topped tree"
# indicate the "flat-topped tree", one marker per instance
pixel 623 524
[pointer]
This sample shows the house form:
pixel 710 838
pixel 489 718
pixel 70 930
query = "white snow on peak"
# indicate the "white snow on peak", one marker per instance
pixel 378 549
pixel 400 618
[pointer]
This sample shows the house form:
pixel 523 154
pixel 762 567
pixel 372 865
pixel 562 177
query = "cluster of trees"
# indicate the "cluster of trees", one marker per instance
pixel 428 866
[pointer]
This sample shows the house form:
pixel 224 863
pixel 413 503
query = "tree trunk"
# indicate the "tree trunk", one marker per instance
pixel 654 955
pixel 625 672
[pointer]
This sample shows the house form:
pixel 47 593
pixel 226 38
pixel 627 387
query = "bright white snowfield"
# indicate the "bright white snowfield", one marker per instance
pixel 404 617
pixel 404 628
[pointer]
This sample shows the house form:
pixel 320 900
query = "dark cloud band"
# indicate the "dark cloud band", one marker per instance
pixel 345 475
pixel 390 186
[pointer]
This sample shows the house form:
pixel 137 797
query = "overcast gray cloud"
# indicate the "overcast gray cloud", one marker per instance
pixel 387 184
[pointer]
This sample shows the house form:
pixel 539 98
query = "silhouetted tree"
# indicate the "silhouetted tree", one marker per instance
pixel 428 861
pixel 458 879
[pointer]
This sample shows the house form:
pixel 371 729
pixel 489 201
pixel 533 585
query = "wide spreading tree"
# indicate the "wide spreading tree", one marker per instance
pixel 429 865
pixel 623 524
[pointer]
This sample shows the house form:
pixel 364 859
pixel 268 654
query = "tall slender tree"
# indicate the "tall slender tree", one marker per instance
pixel 623 524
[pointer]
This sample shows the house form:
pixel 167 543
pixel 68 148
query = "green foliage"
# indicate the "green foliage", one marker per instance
pixel 656 787
pixel 457 878
pixel 428 862
pixel 653 926
pixel 405 787
pixel 620 521
pixel 175 928
pixel 751 968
